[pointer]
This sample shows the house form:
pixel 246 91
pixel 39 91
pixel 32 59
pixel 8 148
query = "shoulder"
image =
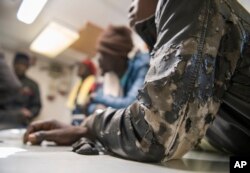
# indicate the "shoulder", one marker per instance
pixel 30 82
pixel 141 60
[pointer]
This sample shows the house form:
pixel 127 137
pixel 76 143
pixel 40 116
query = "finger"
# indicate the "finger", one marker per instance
pixel 57 136
pixel 34 127
pixel 37 138
pixel 30 129
pixel 34 138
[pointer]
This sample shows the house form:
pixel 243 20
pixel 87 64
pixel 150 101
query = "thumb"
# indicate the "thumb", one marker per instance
pixel 37 137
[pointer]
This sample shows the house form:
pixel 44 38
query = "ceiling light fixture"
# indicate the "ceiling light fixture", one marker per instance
pixel 29 10
pixel 53 40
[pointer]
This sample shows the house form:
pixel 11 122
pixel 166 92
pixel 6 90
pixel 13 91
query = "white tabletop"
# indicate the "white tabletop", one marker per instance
pixel 18 158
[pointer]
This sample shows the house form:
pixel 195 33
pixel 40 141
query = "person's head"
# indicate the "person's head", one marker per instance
pixel 21 64
pixel 113 47
pixel 140 10
pixel 86 68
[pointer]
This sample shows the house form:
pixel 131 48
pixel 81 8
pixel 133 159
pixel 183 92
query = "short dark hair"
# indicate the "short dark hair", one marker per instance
pixel 22 58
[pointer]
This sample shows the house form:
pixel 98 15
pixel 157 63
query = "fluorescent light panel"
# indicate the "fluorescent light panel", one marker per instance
pixel 29 10
pixel 54 39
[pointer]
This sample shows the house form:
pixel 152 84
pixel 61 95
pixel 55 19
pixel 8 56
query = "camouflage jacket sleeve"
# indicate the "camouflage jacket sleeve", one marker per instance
pixel 192 61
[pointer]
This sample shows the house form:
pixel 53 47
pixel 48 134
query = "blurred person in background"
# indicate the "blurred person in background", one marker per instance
pixel 79 96
pixel 25 105
pixel 123 76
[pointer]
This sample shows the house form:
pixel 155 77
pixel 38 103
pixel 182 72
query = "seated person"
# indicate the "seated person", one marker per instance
pixel 113 48
pixel 79 96
pixel 200 60
pixel 25 105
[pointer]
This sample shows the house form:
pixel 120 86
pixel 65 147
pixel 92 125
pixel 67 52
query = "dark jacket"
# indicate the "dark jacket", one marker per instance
pixel 230 132
pixel 10 111
pixel 197 49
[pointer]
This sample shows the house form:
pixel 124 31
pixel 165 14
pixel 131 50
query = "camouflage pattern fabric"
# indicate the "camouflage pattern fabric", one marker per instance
pixel 190 71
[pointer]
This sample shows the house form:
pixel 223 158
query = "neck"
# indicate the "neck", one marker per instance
pixel 21 76
pixel 121 67
pixel 120 72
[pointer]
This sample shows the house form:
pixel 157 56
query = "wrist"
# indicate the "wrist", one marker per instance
pixel 81 131
pixel 88 127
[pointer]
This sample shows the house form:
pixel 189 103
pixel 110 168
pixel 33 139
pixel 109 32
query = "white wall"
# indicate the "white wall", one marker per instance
pixel 51 109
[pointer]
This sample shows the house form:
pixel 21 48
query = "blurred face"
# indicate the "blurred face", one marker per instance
pixel 140 10
pixel 110 63
pixel 106 63
pixel 20 69
pixel 83 71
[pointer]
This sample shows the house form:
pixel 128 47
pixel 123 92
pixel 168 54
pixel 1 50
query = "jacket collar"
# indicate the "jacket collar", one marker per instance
pixel 147 31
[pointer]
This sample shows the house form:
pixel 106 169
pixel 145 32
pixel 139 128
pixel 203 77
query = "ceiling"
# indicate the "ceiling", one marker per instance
pixel 17 36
